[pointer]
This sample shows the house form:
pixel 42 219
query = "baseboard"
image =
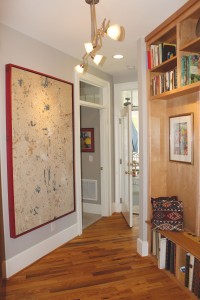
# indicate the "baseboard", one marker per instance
pixel 142 247
pixel 92 208
pixel 31 255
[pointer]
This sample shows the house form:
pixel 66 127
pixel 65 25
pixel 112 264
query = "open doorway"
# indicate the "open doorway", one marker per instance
pixel 90 165
pixel 101 105
pixel 130 97
pixel 126 94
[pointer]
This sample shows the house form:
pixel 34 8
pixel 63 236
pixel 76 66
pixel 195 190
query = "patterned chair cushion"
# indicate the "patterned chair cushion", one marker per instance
pixel 167 213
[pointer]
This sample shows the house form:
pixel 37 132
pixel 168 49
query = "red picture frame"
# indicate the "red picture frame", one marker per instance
pixel 87 139
pixel 31 176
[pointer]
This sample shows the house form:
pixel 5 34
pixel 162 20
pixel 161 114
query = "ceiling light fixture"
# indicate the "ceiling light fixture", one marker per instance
pixel 118 56
pixel 115 32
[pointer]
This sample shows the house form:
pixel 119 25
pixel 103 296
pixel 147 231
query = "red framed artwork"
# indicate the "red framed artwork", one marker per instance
pixel 87 139
pixel 40 149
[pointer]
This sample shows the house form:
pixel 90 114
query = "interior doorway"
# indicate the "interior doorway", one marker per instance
pixel 90 165
pixel 126 94
pixel 100 102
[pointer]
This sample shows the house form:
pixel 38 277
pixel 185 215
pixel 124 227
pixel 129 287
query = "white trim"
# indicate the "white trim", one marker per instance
pixel 29 256
pixel 92 208
pixel 77 152
pixel 142 247
pixel 143 139
pixel 93 105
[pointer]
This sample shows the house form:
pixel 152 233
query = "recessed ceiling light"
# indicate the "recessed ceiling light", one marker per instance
pixel 118 56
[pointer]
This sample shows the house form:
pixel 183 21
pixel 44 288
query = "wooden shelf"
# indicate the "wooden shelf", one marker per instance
pixel 166 65
pixel 192 46
pixel 184 90
pixel 180 239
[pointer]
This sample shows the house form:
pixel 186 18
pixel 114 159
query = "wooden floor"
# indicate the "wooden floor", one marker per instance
pixel 100 264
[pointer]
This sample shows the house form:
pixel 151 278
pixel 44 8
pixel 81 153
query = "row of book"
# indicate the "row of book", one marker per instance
pixel 164 82
pixel 165 251
pixel 160 53
pixel 190 69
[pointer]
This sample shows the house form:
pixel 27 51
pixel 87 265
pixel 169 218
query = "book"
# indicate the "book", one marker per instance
pixel 172 258
pixel 193 68
pixel 168 250
pixel 190 69
pixel 191 269
pixel 162 252
pixel 187 267
pixel 149 64
pixel 168 51
pixel 196 277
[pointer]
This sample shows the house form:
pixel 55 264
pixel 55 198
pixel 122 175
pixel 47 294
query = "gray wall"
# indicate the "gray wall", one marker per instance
pixel 21 50
pixel 90 118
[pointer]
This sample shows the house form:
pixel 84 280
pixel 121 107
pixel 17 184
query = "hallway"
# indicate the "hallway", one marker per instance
pixel 101 264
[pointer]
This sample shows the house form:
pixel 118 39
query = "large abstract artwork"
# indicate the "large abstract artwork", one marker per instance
pixel 40 149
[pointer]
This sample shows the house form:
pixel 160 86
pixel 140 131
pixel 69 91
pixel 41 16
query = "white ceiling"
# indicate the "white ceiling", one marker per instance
pixel 65 25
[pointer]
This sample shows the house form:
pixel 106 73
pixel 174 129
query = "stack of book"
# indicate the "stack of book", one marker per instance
pixel 192 274
pixel 190 69
pixel 164 82
pixel 160 53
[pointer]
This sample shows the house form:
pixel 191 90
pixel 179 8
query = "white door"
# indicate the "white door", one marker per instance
pixel 126 165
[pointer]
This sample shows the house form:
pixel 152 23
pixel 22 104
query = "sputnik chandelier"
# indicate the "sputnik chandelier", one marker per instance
pixel 115 32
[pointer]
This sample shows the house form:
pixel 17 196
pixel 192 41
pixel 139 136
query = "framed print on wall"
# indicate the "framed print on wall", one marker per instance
pixel 181 138
pixel 40 149
pixel 87 139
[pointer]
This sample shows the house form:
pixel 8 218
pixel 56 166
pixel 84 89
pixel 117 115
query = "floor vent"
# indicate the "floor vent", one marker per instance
pixel 89 189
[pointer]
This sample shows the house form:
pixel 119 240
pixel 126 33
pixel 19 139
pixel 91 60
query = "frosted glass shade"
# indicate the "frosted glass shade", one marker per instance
pixel 79 69
pixel 88 47
pixel 97 59
pixel 114 31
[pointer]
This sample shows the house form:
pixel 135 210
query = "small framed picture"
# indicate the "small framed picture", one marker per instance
pixel 87 139
pixel 181 138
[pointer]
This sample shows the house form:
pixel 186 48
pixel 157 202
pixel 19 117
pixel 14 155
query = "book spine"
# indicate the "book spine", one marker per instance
pixel 149 65
pixel 162 253
pixel 196 277
pixel 168 249
pixel 187 266
pixel 191 269
pixel 183 70
pixel 172 258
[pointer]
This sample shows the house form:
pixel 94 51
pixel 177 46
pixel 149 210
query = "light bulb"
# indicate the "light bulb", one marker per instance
pixel 80 68
pixel 97 59
pixel 118 56
pixel 114 31
pixel 88 47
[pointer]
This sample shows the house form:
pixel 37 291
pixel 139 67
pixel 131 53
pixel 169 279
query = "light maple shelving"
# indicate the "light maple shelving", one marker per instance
pixel 167 178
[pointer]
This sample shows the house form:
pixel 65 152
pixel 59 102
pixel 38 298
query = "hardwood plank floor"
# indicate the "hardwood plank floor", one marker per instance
pixel 101 264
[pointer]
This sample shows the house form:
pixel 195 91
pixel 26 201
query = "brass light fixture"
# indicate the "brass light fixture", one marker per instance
pixel 115 32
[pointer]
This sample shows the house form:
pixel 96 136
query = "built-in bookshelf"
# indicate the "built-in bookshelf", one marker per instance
pixel 179 253
pixel 174 54
pixel 173 89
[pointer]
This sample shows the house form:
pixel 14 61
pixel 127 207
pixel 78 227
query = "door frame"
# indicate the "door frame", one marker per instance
pixel 105 142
